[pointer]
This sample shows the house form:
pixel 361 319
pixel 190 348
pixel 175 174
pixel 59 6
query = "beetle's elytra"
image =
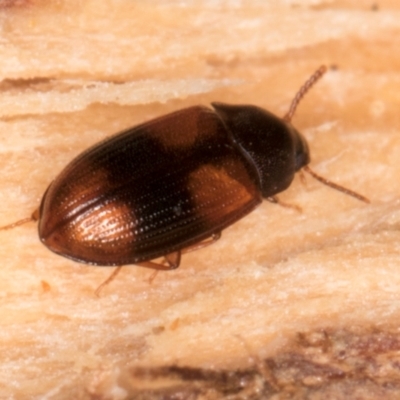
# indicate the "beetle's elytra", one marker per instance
pixel 170 184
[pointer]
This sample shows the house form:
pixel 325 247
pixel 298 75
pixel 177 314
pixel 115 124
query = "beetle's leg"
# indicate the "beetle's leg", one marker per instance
pixel 205 243
pixel 302 177
pixel 174 259
pixel 33 218
pixel 17 223
pixel 108 280
pixel 275 200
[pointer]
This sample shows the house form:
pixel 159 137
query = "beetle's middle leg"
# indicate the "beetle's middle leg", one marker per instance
pixel 197 246
pixel 174 259
pixel 171 261
pixel 275 200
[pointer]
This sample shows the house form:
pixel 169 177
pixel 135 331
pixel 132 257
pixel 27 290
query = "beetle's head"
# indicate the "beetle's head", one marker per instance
pixel 302 152
pixel 271 145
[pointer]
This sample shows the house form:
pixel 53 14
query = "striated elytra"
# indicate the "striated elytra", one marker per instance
pixel 168 184
pixel 172 184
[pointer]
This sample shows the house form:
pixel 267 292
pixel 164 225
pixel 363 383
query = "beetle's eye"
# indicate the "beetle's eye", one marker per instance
pixel 302 154
pixel 302 159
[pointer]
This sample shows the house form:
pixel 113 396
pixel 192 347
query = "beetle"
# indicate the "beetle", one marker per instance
pixel 172 184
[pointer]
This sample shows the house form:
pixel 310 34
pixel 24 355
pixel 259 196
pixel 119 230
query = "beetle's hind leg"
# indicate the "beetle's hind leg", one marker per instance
pixel 107 281
pixel 171 261
pixel 174 259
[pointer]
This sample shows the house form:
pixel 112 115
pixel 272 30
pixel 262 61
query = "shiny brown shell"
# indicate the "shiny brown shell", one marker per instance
pixel 150 191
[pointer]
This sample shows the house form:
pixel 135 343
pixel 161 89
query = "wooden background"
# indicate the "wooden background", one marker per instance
pixel 292 304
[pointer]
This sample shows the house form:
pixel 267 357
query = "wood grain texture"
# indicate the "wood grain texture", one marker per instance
pixel 292 304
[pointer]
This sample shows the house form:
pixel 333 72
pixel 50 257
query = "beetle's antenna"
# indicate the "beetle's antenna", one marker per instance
pixel 333 185
pixel 303 90
pixel 288 117
pixel 17 223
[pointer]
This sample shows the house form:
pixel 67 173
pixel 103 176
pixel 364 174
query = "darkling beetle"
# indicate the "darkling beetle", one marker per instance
pixel 172 184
